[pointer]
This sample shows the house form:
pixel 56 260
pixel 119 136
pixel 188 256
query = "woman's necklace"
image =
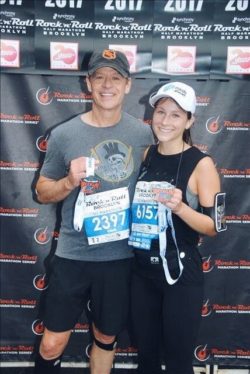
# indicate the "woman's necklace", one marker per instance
pixel 179 165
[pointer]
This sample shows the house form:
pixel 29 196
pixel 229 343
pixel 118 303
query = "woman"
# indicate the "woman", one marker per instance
pixel 172 205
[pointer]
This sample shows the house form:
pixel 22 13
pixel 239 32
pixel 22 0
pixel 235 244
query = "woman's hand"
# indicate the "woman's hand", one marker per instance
pixel 171 198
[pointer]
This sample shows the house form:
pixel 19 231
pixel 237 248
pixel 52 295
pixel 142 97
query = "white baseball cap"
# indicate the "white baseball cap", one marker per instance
pixel 183 94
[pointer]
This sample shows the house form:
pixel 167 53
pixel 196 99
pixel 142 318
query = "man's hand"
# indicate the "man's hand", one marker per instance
pixel 77 171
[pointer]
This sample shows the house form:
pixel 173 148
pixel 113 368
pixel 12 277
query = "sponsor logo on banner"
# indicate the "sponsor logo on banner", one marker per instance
pixel 202 353
pixel 130 51
pixel 182 19
pixel 41 143
pixel 181 59
pixel 126 352
pixel 10 53
pixel 40 282
pixel 188 31
pixel 22 166
pixel 23 303
pixel 236 32
pixel 208 309
pixel 18 350
pixel 220 264
pixel 226 353
pixel 18 259
pixel 237 126
pixel 234 173
pixel 19 212
pixel 215 125
pixel 203 100
pixel 231 309
pixel 64 56
pixel 81 327
pixel 45 96
pixel 26 119
pixel 38 327
pixel 238 60
pixel 243 218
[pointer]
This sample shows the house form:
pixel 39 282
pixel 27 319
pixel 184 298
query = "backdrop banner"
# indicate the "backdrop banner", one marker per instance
pixel 31 106
pixel 161 38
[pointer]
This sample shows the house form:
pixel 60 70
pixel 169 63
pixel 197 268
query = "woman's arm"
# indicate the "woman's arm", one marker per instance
pixel 205 183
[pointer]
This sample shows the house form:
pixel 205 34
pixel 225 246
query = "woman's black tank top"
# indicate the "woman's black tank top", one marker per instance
pixel 158 167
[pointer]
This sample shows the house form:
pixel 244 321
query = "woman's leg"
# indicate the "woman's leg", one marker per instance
pixel 182 316
pixel 146 305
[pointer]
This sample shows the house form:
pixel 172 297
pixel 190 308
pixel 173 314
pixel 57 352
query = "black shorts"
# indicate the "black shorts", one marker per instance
pixel 73 283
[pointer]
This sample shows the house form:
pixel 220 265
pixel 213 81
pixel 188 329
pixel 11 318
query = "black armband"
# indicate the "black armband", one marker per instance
pixel 217 212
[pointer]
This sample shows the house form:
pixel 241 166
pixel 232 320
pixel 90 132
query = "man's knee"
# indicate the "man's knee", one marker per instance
pixel 53 344
pixel 105 342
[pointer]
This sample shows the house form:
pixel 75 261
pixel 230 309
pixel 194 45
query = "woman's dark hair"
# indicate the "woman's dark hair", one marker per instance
pixel 187 134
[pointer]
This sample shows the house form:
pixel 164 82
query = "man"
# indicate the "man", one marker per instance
pixel 94 259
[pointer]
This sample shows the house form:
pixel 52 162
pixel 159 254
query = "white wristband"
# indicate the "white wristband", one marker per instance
pixel 90 166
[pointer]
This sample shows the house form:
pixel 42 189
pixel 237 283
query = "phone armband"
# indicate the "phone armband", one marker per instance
pixel 217 212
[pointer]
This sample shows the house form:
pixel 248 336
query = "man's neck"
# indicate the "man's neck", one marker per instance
pixel 98 118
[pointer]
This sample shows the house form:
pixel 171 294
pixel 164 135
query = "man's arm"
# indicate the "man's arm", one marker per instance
pixel 52 191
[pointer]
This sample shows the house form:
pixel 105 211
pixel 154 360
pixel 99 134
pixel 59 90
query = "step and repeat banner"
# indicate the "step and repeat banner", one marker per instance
pixel 45 46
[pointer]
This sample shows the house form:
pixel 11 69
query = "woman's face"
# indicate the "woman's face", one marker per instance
pixel 170 120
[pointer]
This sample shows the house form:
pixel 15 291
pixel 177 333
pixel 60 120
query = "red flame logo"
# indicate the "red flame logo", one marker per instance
pixel 206 264
pixel 206 309
pixel 44 96
pixel 42 236
pixel 41 143
pixel 213 125
pixel 38 327
pixel 201 353
pixel 40 282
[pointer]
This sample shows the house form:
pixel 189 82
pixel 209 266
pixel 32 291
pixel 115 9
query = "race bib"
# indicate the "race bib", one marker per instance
pixel 145 222
pixel 106 216
pixel 150 220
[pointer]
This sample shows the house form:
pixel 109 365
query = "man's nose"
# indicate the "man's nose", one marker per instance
pixel 107 82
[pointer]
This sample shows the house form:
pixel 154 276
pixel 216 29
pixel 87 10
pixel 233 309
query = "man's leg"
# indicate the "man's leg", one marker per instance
pixel 102 353
pixel 109 307
pixel 51 349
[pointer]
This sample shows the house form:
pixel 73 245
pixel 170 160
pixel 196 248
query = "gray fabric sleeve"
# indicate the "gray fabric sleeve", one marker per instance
pixel 53 166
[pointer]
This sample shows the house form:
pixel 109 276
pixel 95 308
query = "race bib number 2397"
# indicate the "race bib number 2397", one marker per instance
pixel 106 217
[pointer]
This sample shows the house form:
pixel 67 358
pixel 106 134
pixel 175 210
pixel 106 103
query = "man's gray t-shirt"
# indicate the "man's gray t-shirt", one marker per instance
pixel 119 149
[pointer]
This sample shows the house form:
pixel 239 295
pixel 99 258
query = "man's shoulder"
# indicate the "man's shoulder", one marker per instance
pixel 67 126
pixel 129 119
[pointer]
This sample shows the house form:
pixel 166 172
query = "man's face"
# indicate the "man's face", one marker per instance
pixel 108 88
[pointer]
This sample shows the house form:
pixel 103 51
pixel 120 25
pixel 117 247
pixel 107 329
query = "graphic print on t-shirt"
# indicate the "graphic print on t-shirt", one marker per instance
pixel 116 161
